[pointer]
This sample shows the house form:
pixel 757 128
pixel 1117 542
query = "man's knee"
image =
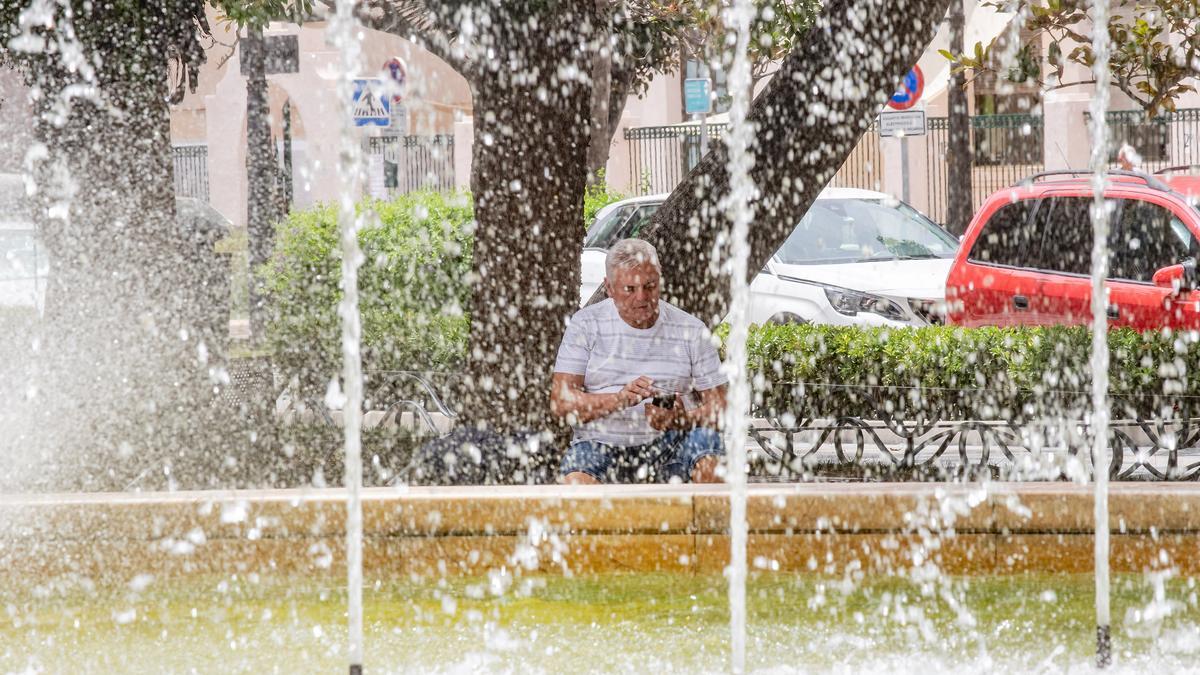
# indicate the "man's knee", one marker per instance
pixel 585 462
pixel 700 454
pixel 579 478
pixel 705 470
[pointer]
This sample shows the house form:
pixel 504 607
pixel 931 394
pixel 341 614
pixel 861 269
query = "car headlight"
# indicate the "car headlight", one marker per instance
pixel 850 303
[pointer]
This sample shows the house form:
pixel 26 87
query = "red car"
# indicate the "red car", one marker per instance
pixel 1026 257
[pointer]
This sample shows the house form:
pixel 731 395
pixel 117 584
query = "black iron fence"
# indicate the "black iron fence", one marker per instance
pixel 1005 149
pixel 1168 139
pixel 191 171
pixel 408 163
pixel 661 157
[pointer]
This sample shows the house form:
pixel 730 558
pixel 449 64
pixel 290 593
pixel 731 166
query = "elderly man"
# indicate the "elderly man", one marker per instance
pixel 617 354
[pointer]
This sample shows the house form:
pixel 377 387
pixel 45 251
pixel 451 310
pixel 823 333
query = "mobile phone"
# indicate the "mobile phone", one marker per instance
pixel 664 401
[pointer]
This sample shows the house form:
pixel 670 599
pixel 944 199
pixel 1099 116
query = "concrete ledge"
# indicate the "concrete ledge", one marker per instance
pixel 970 529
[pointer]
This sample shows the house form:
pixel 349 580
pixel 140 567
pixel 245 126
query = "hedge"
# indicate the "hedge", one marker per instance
pixel 413 286
pixel 977 373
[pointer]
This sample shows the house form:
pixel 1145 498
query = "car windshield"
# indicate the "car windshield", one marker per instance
pixel 864 230
pixel 604 229
pixel 624 221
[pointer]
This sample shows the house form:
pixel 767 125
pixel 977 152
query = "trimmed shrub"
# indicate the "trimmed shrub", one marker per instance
pixel 951 372
pixel 412 284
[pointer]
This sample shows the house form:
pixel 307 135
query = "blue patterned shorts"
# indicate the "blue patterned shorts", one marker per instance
pixel 670 456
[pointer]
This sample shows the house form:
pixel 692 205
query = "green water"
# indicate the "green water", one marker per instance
pixel 612 623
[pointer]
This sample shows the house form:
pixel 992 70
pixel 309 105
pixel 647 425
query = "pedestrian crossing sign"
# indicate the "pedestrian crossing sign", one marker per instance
pixel 371 104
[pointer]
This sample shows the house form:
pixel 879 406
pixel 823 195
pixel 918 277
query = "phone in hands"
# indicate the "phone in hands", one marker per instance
pixel 666 401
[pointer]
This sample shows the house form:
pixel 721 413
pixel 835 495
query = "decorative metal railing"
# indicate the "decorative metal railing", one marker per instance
pixel 801 429
pixel 191 171
pixel 661 157
pixel 1006 149
pixel 1021 434
pixel 1165 140
pixel 409 163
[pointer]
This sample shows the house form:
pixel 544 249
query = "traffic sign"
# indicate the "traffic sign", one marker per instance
pixel 696 99
pixel 906 123
pixel 370 104
pixel 397 74
pixel 910 90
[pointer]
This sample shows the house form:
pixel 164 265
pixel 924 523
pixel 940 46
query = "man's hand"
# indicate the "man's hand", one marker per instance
pixel 666 419
pixel 636 391
pixel 569 401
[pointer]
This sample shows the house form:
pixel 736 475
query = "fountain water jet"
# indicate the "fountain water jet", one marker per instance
pixel 341 31
pixel 739 208
pixel 1099 365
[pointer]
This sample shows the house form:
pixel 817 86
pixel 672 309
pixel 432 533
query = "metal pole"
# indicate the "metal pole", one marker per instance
pixel 703 135
pixel 904 169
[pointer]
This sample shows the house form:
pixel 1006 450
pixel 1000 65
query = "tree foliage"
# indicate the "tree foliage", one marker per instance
pixel 777 28
pixel 1156 47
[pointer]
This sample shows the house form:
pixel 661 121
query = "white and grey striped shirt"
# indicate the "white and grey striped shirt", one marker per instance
pixel 677 353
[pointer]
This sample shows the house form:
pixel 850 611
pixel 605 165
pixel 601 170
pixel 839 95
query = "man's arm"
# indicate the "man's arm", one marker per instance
pixel 568 399
pixel 712 406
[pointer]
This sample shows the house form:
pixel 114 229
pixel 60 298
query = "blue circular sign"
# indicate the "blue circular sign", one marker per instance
pixel 910 92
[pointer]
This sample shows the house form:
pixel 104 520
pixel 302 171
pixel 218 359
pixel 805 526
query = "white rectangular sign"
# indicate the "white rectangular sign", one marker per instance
pixel 906 123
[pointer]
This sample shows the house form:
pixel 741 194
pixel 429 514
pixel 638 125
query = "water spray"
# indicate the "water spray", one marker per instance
pixel 1100 357
pixel 738 206
pixel 341 31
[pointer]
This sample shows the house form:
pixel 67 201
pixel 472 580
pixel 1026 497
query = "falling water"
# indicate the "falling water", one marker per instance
pixel 1100 413
pixel 738 206
pixel 342 34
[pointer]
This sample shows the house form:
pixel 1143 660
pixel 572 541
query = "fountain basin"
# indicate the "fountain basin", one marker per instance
pixel 863 577
pixel 1002 528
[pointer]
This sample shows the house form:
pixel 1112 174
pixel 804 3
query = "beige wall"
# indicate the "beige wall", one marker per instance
pixel 215 113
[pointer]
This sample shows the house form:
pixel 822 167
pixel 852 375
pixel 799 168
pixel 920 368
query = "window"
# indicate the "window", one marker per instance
pixel 863 230
pixel 603 233
pixel 624 222
pixel 1065 227
pixel 1148 237
pixel 1143 238
pixel 633 227
pixel 1008 237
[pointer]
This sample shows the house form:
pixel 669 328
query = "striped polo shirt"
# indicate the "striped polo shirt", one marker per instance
pixel 677 353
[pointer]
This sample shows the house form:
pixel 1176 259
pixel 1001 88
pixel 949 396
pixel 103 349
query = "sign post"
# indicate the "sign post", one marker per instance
pixel 395 80
pixel 905 122
pixel 697 100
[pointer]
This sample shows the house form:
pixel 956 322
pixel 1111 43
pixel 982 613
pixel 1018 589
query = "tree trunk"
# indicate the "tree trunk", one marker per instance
pixel 602 67
pixel 528 175
pixel 260 170
pixel 808 119
pixel 960 204
pixel 122 382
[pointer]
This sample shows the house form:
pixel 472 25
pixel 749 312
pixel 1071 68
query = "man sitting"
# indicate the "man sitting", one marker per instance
pixel 618 353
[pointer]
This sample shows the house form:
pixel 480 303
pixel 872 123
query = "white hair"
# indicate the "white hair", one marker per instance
pixel 629 253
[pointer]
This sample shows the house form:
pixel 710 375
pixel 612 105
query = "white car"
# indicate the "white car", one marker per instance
pixel 856 258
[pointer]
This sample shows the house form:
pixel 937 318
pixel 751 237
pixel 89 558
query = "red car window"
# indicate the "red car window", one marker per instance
pixel 1066 227
pixel 1148 237
pixel 1008 237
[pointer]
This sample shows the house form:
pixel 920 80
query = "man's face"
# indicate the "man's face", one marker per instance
pixel 635 292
